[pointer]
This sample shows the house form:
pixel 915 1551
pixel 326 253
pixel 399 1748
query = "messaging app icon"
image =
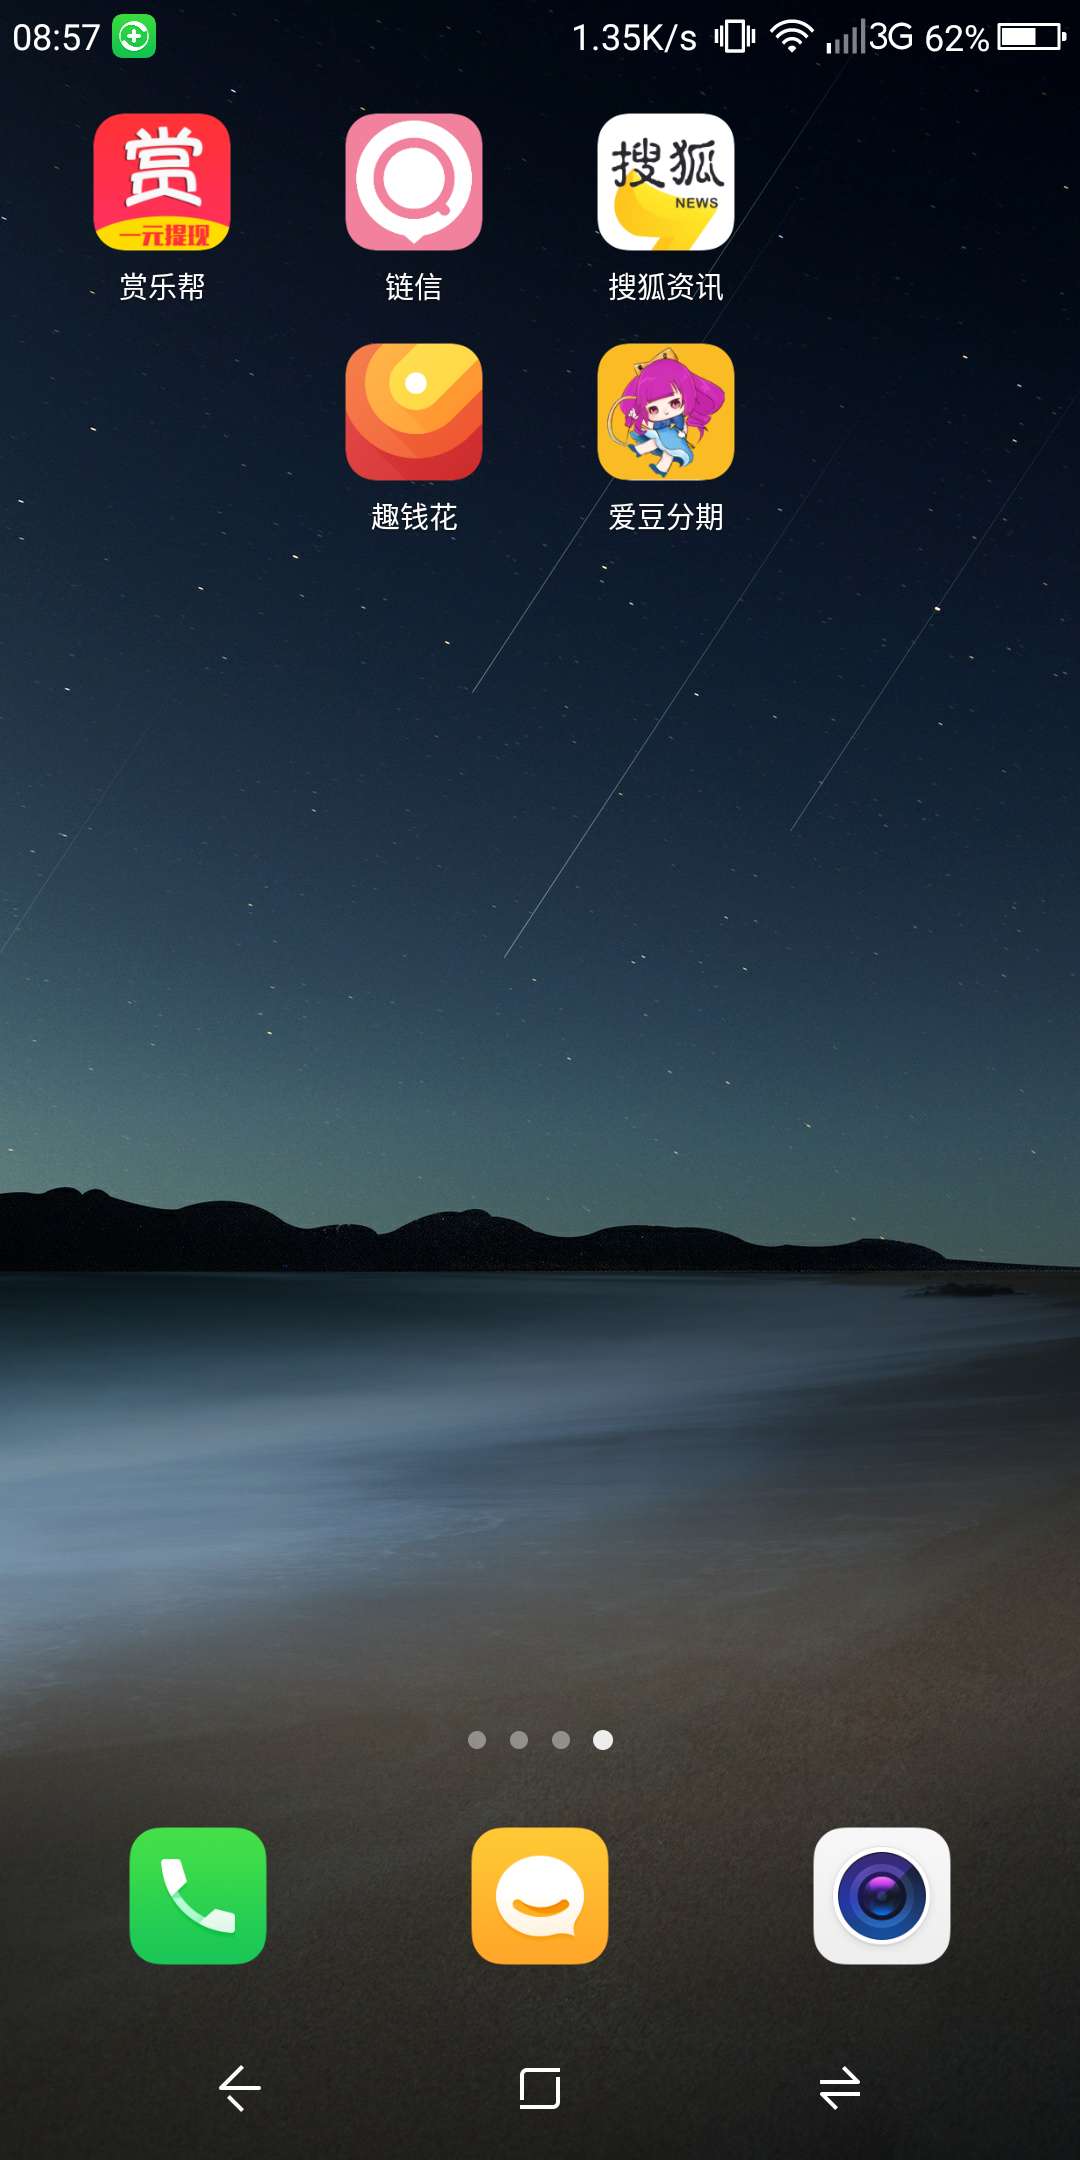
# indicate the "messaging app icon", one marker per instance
pixel 540 1897
pixel 665 182
pixel 198 1897
pixel 414 180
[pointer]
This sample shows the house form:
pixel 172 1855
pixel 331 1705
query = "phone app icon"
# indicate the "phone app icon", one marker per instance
pixel 665 414
pixel 162 182
pixel 882 1896
pixel 198 1897
pixel 134 37
pixel 540 1897
pixel 665 182
pixel 414 180
pixel 414 412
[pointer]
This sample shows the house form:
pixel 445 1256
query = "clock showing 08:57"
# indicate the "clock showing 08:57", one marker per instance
pixel 134 37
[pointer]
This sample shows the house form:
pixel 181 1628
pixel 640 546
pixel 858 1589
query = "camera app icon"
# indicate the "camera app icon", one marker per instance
pixel 882 1896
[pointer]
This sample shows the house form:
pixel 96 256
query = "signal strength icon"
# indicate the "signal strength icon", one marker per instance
pixel 853 40
pixel 792 32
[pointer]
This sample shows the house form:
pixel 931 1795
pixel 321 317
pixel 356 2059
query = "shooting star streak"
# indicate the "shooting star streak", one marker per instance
pixel 75 837
pixel 676 694
pixel 795 140
pixel 576 534
pixel 605 490
pixel 935 610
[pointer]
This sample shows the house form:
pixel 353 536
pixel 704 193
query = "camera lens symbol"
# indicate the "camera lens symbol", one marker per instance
pixel 881 1897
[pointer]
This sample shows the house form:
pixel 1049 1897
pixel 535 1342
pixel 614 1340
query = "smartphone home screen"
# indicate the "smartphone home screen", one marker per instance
pixel 539 1333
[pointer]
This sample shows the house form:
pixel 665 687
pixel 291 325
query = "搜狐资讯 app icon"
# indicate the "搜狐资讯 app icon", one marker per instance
pixel 162 182
pixel 414 180
pixel 540 1896
pixel 665 182
pixel 198 1896
pixel 414 412
pixel 667 414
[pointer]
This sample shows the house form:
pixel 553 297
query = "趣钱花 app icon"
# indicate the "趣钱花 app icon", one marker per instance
pixel 414 412
pixel 198 1897
pixel 882 1897
pixel 540 1897
pixel 667 414
pixel 665 182
pixel 414 180
pixel 162 182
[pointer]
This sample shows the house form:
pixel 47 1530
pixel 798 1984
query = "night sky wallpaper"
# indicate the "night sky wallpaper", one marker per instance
pixel 281 790
pixel 593 867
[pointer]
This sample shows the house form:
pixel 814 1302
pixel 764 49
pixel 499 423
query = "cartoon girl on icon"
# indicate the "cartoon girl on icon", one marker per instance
pixel 659 405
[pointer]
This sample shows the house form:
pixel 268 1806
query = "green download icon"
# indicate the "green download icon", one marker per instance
pixel 134 37
pixel 198 1897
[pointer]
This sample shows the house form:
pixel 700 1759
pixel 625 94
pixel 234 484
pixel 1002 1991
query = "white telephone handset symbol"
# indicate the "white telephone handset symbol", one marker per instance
pixel 222 1923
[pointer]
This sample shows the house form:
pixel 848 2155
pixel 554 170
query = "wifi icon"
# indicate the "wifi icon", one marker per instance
pixel 792 32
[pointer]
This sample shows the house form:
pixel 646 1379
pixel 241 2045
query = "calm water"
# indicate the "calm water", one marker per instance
pixel 171 1444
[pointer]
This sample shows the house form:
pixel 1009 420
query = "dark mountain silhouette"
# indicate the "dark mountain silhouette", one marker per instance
pixel 67 1229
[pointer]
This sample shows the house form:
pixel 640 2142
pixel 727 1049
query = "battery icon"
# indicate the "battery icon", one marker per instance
pixel 1030 37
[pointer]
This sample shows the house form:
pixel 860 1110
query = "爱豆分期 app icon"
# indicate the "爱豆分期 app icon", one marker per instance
pixel 198 1897
pixel 540 1897
pixel 162 182
pixel 665 182
pixel 414 412
pixel 414 180
pixel 667 415
pixel 882 1896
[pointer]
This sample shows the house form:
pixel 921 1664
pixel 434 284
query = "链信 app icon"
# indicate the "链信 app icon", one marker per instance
pixel 162 182
pixel 665 182
pixel 540 1897
pixel 414 180
pixel 667 414
pixel 198 1897
pixel 882 1897
pixel 414 412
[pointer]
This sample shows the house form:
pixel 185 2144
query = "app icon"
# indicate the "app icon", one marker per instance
pixel 882 1897
pixel 540 1897
pixel 161 182
pixel 667 414
pixel 198 1897
pixel 134 37
pixel 665 181
pixel 414 412
pixel 414 180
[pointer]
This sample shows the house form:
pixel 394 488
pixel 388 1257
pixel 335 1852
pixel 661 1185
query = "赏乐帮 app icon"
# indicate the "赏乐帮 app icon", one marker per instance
pixel 414 412
pixel 882 1896
pixel 540 1897
pixel 665 182
pixel 162 182
pixel 414 180
pixel 198 1897
pixel 666 414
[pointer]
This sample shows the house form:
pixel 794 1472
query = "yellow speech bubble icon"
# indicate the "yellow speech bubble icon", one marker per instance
pixel 673 223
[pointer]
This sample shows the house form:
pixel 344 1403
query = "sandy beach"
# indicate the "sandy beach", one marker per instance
pixel 926 1675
